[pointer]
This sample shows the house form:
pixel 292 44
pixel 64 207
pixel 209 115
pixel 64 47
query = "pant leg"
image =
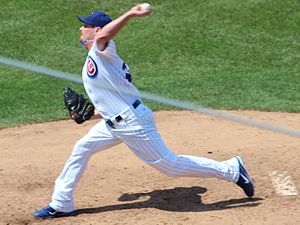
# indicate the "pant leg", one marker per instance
pixel 97 139
pixel 194 166
pixel 143 139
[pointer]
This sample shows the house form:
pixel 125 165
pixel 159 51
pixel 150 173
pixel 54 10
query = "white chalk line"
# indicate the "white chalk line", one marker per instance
pixel 156 98
pixel 283 184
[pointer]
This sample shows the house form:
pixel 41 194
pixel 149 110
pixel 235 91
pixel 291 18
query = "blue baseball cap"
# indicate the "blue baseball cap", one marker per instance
pixel 97 19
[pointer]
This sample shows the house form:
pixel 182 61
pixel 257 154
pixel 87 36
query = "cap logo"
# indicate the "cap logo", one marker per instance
pixel 91 68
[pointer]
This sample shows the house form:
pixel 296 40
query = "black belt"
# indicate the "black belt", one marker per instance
pixel 119 118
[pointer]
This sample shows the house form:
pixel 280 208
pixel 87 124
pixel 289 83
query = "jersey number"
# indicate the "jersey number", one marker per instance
pixel 127 72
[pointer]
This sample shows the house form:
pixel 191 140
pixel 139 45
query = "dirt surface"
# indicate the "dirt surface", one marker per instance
pixel 118 188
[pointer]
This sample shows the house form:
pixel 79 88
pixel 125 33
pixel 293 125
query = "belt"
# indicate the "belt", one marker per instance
pixel 119 117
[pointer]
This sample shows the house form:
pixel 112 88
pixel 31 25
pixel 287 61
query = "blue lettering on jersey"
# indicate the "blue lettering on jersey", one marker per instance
pixel 127 71
pixel 91 68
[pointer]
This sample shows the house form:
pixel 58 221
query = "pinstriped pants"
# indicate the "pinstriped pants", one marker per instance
pixel 138 131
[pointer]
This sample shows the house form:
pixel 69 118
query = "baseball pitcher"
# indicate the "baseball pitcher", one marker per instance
pixel 125 118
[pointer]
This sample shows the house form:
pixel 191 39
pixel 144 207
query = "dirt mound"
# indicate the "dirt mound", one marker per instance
pixel 118 188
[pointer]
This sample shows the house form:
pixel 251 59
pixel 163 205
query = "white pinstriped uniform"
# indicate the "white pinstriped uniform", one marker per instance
pixel 137 130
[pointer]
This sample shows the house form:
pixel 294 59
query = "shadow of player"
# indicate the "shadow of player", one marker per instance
pixel 179 199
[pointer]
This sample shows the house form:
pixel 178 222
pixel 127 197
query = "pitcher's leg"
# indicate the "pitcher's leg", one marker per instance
pixel 150 148
pixel 98 138
pixel 144 140
pixel 194 166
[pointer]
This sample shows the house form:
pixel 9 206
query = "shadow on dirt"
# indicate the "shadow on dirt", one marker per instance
pixel 179 199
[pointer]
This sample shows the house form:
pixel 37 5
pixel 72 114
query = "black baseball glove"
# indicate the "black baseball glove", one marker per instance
pixel 80 108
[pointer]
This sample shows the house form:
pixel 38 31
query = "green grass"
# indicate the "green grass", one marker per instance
pixel 224 54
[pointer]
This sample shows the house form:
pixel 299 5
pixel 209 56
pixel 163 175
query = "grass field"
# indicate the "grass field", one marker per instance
pixel 229 54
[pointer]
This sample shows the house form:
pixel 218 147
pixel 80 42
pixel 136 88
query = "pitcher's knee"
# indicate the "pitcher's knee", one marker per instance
pixel 81 148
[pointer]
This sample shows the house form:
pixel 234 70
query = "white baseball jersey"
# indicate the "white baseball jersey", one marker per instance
pixel 104 74
pixel 107 81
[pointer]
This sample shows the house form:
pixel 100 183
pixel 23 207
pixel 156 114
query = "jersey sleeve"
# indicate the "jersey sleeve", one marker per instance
pixel 109 52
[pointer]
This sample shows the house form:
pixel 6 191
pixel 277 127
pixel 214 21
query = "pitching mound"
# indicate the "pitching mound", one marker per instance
pixel 118 188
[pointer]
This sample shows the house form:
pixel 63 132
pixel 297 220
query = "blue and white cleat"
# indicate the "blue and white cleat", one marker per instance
pixel 48 212
pixel 245 181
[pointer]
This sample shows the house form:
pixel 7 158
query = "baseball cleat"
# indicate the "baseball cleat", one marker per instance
pixel 245 181
pixel 49 212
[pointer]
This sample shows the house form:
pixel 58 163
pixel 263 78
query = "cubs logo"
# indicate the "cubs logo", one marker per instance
pixel 91 68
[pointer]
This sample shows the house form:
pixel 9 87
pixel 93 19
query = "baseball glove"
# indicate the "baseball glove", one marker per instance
pixel 80 109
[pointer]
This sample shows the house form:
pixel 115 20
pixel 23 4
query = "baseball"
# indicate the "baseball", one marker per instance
pixel 147 7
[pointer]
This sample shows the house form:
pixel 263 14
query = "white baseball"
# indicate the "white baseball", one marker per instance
pixel 146 6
